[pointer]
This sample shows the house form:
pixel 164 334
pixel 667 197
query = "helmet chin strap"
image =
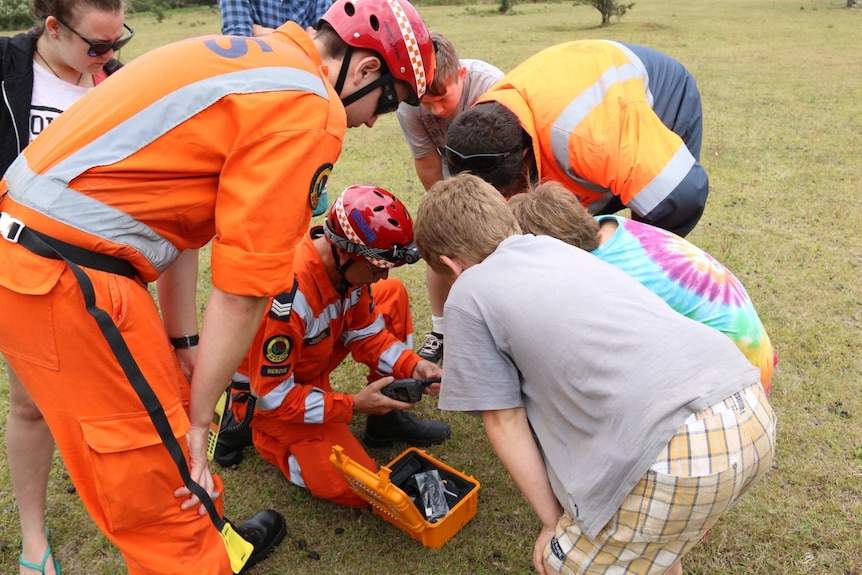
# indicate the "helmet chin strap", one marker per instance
pixel 344 285
pixel 345 66
pixel 385 77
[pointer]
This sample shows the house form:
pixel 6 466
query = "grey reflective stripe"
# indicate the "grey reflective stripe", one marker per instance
pixel 59 202
pixel 637 63
pixel 373 328
pixel 580 107
pixel 664 183
pixel 295 471
pixel 303 310
pixel 387 360
pixel 314 406
pixel 273 399
pixel 42 192
pixel 314 326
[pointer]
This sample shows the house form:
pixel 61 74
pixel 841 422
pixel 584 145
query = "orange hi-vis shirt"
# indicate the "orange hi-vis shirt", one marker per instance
pixel 588 107
pixel 213 137
pixel 304 337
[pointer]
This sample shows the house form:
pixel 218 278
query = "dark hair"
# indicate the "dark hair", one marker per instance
pixel 62 10
pixel 489 128
pixel 332 42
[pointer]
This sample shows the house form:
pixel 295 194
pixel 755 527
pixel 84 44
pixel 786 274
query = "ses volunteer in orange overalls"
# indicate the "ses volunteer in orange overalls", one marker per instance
pixel 308 332
pixel 192 141
pixel 619 125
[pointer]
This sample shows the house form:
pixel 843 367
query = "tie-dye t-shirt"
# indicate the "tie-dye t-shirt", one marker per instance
pixel 693 283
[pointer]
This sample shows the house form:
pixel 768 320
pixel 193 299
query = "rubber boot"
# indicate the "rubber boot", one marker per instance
pixel 230 446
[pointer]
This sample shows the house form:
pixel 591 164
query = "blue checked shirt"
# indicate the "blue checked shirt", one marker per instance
pixel 237 16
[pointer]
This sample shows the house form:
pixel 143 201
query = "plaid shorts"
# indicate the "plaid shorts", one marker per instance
pixel 715 457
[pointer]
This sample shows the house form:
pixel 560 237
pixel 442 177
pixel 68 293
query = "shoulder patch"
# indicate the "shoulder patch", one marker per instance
pixel 282 304
pixel 277 348
pixel 317 197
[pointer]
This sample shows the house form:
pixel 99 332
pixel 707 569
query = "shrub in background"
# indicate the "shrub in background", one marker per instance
pixel 608 8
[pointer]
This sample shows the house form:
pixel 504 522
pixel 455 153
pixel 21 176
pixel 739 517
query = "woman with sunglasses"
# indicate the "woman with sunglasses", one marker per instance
pixel 43 72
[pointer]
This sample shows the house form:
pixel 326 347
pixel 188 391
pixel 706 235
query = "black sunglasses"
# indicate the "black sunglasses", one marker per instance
pixel 477 162
pixel 99 48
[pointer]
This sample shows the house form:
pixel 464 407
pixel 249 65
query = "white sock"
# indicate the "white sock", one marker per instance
pixel 437 324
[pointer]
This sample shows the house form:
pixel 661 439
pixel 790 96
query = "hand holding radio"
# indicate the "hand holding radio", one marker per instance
pixel 408 390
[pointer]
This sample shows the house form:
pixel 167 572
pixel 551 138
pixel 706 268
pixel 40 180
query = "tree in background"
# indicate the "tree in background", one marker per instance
pixel 14 15
pixel 608 8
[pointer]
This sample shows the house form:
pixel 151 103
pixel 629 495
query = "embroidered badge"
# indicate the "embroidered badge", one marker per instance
pixel 282 304
pixel 314 340
pixel 317 198
pixel 277 348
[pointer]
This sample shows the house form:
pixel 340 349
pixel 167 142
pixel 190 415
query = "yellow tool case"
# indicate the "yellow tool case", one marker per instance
pixel 395 495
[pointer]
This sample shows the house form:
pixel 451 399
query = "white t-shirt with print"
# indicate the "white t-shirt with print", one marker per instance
pixel 51 97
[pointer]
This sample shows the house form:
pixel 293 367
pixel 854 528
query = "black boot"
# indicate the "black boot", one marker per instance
pixel 229 449
pixel 400 426
pixel 264 531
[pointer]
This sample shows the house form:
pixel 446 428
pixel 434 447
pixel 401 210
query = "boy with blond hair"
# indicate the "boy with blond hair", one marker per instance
pixel 629 428
pixel 690 280
pixel 457 85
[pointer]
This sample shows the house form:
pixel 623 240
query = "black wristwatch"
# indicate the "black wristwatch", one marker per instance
pixel 185 341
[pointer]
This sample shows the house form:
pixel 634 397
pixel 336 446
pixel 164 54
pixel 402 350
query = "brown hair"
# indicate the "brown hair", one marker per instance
pixel 63 10
pixel 333 44
pixel 447 65
pixel 490 128
pixel 464 217
pixel 552 210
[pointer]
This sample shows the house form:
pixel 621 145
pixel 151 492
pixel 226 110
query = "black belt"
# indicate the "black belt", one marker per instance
pixel 30 239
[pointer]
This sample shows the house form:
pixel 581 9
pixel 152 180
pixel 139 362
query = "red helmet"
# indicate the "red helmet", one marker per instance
pixel 393 29
pixel 370 223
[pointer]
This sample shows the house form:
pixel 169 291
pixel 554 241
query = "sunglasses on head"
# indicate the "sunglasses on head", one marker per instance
pixel 99 48
pixel 477 162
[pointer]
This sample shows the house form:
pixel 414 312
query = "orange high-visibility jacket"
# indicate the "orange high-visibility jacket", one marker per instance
pixel 223 137
pixel 306 334
pixel 609 119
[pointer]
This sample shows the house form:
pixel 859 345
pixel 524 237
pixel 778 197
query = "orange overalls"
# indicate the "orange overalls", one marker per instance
pixel 618 125
pixel 306 335
pixel 195 139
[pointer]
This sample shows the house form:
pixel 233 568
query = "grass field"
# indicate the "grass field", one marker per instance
pixel 781 85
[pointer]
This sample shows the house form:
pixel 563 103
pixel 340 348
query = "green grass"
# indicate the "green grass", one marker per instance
pixel 780 82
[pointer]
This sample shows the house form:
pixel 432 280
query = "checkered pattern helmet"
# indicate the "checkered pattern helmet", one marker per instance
pixel 371 224
pixel 393 29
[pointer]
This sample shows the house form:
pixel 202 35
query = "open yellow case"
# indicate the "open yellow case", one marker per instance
pixel 386 491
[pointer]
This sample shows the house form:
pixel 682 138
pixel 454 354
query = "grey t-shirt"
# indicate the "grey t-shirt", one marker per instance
pixel 606 371
pixel 426 133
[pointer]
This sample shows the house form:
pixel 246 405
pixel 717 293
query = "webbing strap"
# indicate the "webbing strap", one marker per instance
pixel 133 374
